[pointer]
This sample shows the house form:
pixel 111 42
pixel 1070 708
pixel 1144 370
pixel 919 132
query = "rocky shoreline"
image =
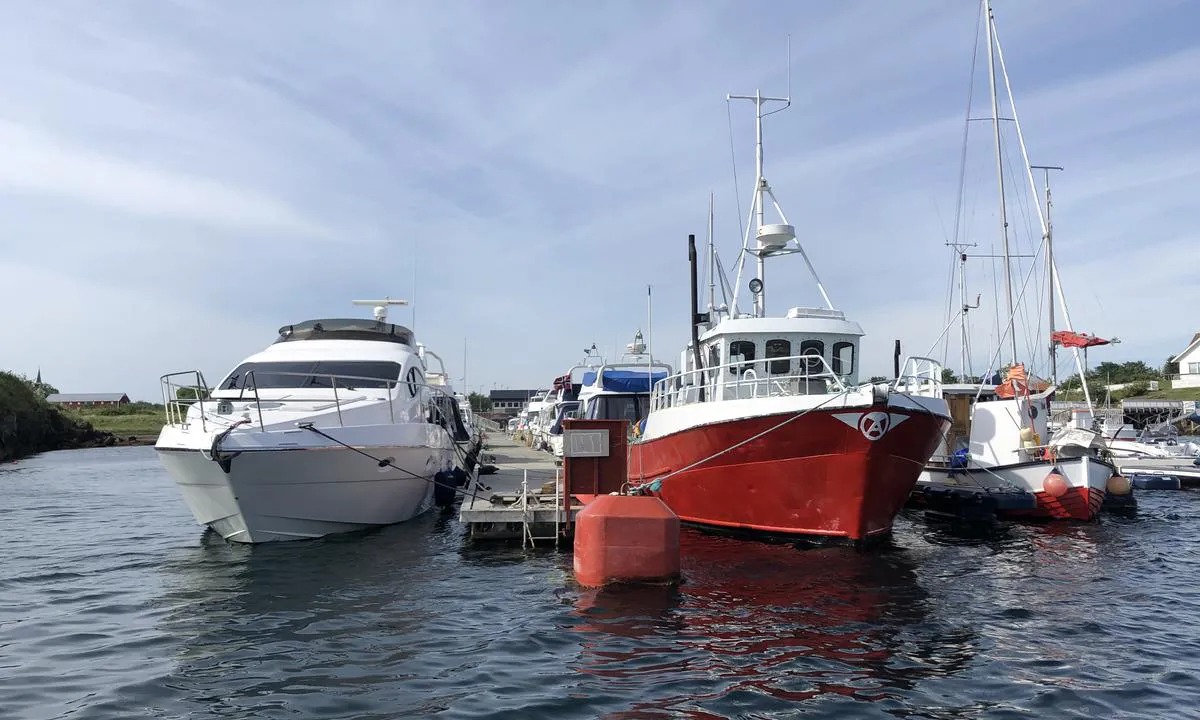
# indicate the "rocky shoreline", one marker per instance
pixel 28 425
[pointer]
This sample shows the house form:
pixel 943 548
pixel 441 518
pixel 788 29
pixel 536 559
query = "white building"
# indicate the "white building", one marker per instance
pixel 1189 365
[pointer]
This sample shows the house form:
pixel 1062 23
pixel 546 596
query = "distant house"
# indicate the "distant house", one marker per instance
pixel 510 402
pixel 80 400
pixel 1189 365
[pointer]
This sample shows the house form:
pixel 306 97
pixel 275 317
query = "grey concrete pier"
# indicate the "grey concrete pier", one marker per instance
pixel 496 507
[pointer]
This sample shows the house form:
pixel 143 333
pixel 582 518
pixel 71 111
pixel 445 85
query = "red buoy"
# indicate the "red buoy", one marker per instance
pixel 626 538
pixel 1055 484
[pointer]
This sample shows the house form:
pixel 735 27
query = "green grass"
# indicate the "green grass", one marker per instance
pixel 125 425
pixel 1165 392
pixel 1171 394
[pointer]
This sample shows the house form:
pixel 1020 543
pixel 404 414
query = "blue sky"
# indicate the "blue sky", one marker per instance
pixel 179 179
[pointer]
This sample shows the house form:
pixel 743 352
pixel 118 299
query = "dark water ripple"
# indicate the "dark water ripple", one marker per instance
pixel 113 605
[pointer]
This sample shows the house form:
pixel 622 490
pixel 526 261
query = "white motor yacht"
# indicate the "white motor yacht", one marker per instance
pixel 332 428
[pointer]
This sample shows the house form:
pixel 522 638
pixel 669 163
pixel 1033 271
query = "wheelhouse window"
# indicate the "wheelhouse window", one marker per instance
pixel 629 408
pixel 779 348
pixel 348 374
pixel 745 349
pixel 813 350
pixel 843 358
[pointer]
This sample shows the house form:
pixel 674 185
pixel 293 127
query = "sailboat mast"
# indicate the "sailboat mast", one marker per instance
pixel 962 296
pixel 991 27
pixel 1050 282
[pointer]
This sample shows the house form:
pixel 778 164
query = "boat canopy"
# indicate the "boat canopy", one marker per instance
pixel 625 381
pixel 346 329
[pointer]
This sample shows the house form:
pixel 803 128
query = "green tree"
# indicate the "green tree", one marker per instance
pixel 479 402
pixel 1170 367
pixel 879 379
pixel 189 393
pixel 948 376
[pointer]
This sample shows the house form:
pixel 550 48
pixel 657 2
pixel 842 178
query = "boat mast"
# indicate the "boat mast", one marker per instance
pixel 991 27
pixel 1055 279
pixel 964 340
pixel 1050 271
pixel 761 189
pixel 712 278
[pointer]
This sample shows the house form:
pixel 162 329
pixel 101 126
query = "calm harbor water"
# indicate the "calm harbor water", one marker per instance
pixel 113 604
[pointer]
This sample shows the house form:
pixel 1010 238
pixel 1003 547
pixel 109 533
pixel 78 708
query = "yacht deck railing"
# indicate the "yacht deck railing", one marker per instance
pixel 177 407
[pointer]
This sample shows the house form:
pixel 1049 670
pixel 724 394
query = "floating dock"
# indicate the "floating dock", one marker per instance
pixel 522 500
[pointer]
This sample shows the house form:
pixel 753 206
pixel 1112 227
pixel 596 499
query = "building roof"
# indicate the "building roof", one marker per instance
pixel 1191 345
pixel 86 397
pixel 512 394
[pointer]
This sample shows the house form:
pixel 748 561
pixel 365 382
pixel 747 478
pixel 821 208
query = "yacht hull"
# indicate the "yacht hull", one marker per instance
pixel 821 474
pixel 272 495
pixel 1087 482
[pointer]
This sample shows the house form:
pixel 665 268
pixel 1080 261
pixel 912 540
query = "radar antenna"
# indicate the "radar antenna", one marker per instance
pixel 381 306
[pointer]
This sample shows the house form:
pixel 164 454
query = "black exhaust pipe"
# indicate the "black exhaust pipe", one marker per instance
pixel 896 361
pixel 695 312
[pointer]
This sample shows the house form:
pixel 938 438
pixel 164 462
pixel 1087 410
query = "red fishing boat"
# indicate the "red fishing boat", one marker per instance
pixel 767 429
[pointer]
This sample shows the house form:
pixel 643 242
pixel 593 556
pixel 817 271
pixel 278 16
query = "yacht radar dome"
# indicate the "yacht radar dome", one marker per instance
pixel 381 306
pixel 775 237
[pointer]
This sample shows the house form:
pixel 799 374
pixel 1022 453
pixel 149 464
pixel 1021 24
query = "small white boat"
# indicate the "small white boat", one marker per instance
pixel 332 428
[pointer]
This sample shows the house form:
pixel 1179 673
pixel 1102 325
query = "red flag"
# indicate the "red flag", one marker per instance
pixel 1078 340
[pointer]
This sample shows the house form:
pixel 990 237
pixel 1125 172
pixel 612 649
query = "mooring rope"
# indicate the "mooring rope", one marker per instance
pixel 656 484
pixel 387 462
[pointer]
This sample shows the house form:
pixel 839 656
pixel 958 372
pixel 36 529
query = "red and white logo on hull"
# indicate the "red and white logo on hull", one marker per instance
pixel 872 425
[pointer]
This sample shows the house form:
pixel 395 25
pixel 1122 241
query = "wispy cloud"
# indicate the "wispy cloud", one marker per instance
pixel 206 172
pixel 36 163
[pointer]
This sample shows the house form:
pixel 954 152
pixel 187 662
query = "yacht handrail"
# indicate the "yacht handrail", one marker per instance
pixel 178 414
pixel 682 388
pixel 175 406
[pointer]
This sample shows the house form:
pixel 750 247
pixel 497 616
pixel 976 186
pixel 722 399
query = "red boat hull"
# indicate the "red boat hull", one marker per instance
pixel 818 475
pixel 1077 503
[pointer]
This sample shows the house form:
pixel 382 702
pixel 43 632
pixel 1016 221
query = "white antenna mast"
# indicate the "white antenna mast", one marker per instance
pixel 772 239
pixel 381 306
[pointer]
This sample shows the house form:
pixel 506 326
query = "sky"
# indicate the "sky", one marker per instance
pixel 178 179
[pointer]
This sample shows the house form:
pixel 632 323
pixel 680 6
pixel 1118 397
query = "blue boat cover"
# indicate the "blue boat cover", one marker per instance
pixel 631 381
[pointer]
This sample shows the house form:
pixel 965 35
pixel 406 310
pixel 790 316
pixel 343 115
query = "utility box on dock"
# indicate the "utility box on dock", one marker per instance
pixel 594 457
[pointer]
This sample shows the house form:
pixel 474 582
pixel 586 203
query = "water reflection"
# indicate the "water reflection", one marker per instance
pixel 772 620
pixel 250 620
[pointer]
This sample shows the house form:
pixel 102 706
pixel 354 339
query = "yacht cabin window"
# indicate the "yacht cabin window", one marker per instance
pixel 745 349
pixel 312 374
pixel 779 348
pixel 814 349
pixel 843 358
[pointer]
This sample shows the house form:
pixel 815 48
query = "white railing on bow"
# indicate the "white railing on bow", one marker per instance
pixel 739 380
pixel 179 397
pixel 920 376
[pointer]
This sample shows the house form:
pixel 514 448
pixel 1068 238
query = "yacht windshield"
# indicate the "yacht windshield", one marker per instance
pixel 564 410
pixel 349 374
